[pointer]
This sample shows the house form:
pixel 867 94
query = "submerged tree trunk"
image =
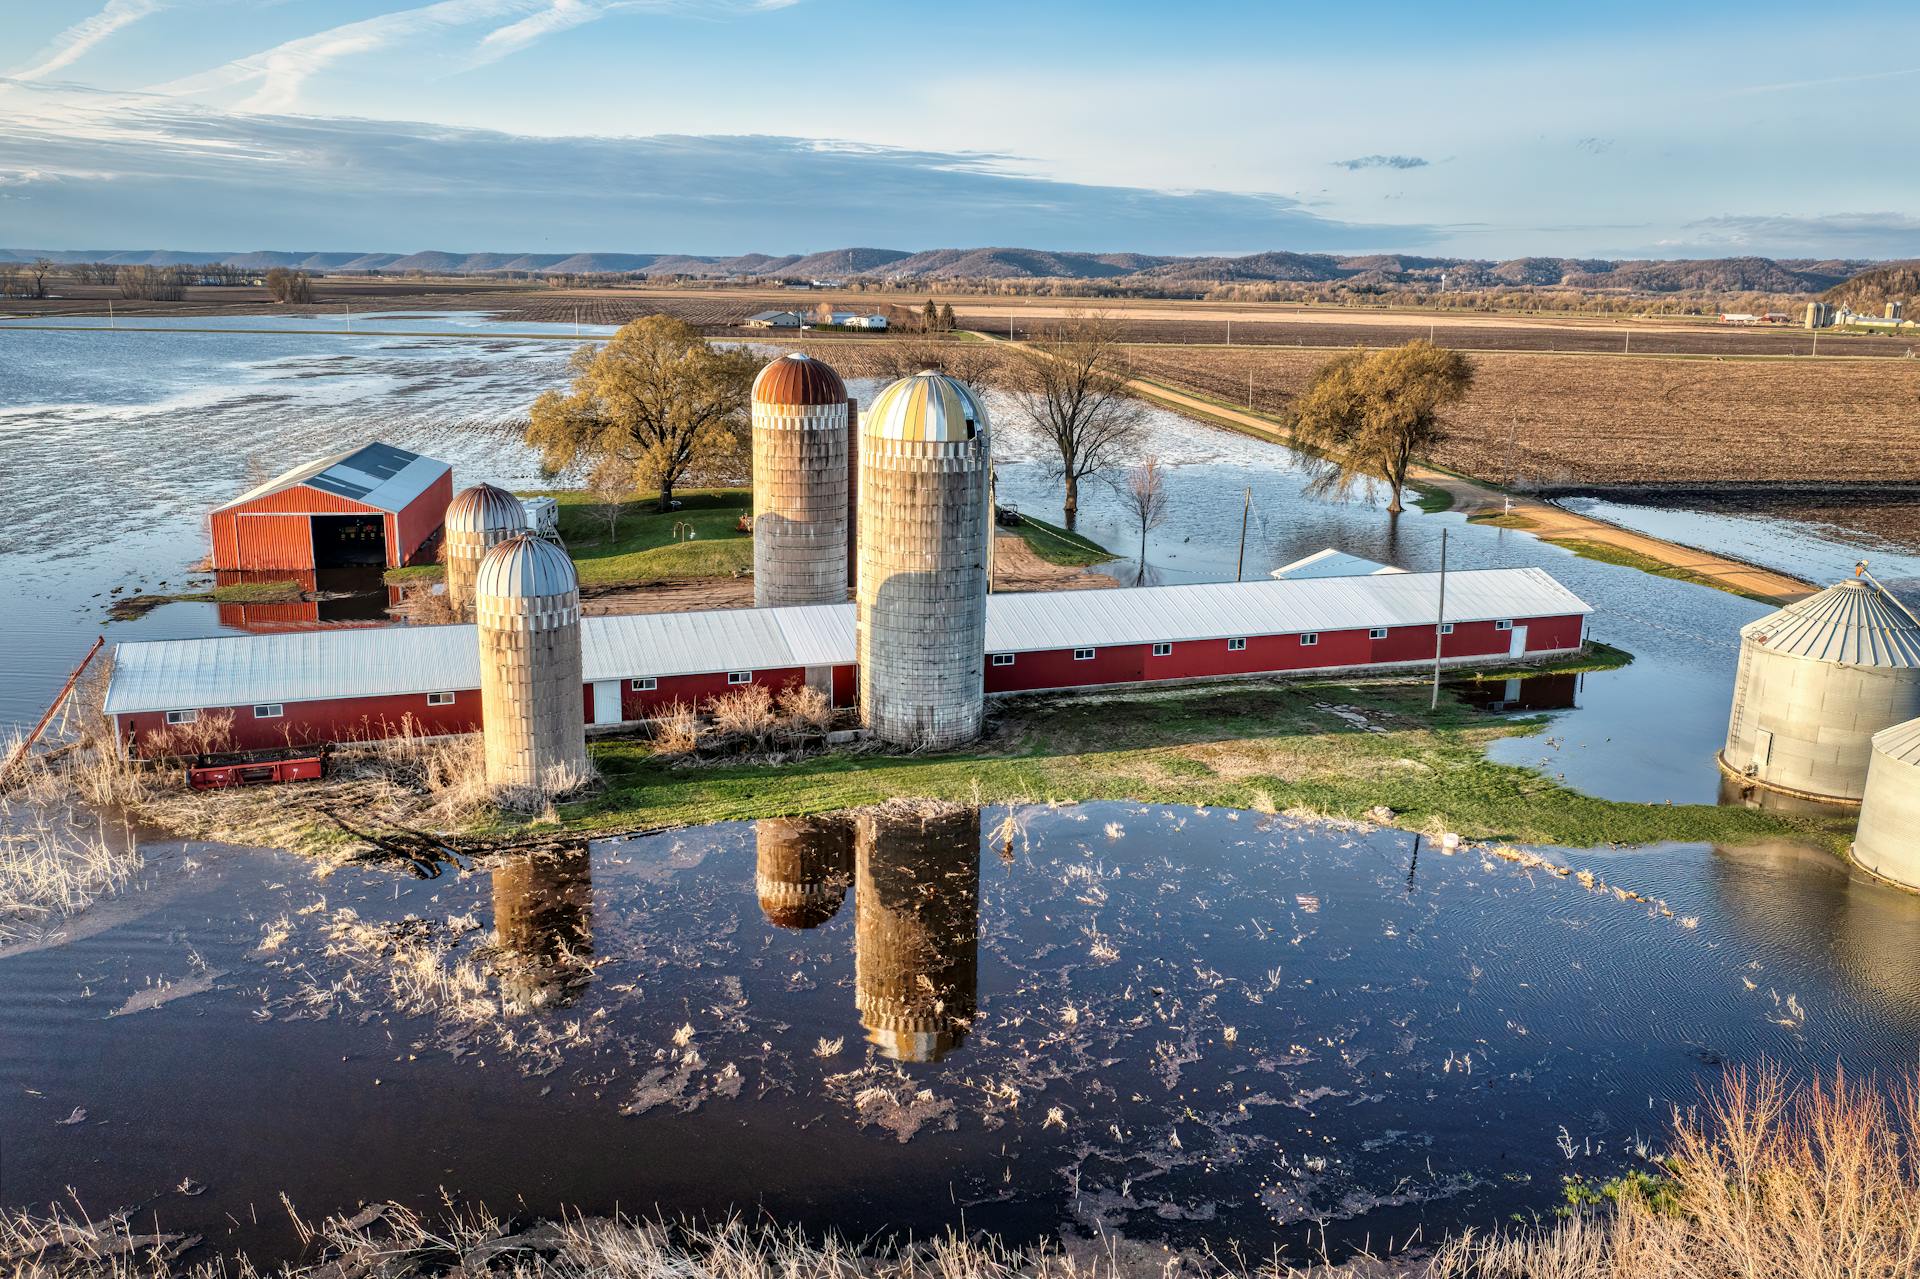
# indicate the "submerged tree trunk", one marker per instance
pixel 1070 509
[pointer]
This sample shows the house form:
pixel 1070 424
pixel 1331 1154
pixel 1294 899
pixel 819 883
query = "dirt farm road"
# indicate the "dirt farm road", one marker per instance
pixel 1542 519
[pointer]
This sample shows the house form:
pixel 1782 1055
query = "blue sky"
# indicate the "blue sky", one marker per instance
pixel 723 126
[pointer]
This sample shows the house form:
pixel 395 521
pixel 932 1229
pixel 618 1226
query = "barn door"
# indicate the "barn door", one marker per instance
pixel 1517 647
pixel 606 701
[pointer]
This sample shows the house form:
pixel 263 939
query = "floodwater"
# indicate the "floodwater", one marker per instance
pixel 1177 1024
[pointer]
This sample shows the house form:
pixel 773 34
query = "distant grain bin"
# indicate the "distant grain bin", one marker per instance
pixel 1816 681
pixel 478 519
pixel 923 544
pixel 916 901
pixel 799 483
pixel 802 868
pixel 527 606
pixel 1888 841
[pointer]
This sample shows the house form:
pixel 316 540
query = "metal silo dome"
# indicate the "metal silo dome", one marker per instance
pixel 485 509
pixel 1888 840
pixel 929 407
pixel 525 567
pixel 796 379
pixel 1817 679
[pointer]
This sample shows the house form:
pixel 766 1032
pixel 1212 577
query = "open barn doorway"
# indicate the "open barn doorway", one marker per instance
pixel 343 541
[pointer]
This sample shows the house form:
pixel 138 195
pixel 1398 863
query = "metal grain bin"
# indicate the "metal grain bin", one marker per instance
pixel 923 538
pixel 1816 681
pixel 1888 841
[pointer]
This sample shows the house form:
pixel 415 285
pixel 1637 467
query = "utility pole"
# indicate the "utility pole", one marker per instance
pixel 349 306
pixel 1246 509
pixel 1439 623
pixel 1229 332
pixel 1249 388
pixel 110 323
pixel 1629 350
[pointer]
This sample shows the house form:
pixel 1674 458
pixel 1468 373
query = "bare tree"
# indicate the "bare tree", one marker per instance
pixel 1144 494
pixel 37 272
pixel 1071 385
pixel 289 286
pixel 975 363
pixel 610 482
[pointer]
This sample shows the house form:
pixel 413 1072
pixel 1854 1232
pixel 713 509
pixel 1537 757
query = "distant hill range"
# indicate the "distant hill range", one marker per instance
pixel 1702 275
pixel 1874 288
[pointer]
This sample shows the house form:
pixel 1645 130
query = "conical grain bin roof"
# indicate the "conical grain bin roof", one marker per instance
pixel 526 567
pixel 1851 623
pixel 485 509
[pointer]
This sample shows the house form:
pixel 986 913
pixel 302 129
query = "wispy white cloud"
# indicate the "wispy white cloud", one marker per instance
pixel 72 44
pixel 1786 86
pixel 1360 162
pixel 199 178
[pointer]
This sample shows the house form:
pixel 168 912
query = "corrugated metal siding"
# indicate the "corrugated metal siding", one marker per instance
pixel 270 542
pixel 334 720
pixel 419 520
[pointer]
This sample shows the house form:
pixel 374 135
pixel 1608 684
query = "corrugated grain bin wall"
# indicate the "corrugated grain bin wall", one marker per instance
pixel 1816 681
pixel 922 584
pixel 799 483
pixel 916 900
pixel 1888 840
pixel 527 606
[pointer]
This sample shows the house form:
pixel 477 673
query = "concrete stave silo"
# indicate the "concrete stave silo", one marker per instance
pixel 478 519
pixel 1888 840
pixel 924 533
pixel 543 918
pixel 802 868
pixel 1816 681
pixel 916 928
pixel 527 615
pixel 800 483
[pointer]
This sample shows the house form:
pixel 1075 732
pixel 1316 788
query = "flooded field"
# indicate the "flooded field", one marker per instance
pixel 1176 1024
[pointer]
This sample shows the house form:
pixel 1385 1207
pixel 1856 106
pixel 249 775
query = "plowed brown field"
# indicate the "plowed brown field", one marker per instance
pixel 1543 420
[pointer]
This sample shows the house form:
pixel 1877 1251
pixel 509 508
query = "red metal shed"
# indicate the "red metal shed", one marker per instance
pixel 378 505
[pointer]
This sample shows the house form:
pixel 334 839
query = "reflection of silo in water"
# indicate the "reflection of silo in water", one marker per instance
pixel 1816 681
pixel 1888 841
pixel 543 916
pixel 802 869
pixel 478 519
pixel 917 924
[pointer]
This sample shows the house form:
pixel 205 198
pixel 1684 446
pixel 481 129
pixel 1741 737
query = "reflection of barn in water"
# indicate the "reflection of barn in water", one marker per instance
pixel 803 868
pixel 1532 693
pixel 332 597
pixel 917 925
pixel 543 917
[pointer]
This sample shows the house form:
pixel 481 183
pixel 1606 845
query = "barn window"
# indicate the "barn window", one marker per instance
pixel 1003 659
pixel 1163 650
pixel 1378 632
pixel 1236 645
pixel 645 684
pixel 1503 626
pixel 269 710
pixel 1446 628
pixel 1309 639
pixel 1083 654
pixel 182 717
pixel 739 677
pixel 439 699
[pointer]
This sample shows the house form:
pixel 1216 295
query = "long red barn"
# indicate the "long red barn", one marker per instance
pixel 353 684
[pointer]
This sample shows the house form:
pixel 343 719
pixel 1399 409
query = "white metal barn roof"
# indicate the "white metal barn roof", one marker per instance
pixel 1223 610
pixel 393 661
pixel 1331 563
pixel 1850 622
pixel 376 475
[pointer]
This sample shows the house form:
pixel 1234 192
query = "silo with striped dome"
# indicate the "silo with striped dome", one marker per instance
pixel 478 519
pixel 800 482
pixel 1817 679
pixel 916 901
pixel 532 698
pixel 924 535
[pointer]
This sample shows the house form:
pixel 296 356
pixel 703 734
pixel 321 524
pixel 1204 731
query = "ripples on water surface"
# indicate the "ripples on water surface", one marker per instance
pixel 1175 1023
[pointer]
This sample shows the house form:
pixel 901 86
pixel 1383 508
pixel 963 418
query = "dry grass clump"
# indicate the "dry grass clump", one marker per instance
pixel 805 709
pixel 1764 1179
pixel 54 864
pixel 676 730
pixel 752 716
pixel 745 712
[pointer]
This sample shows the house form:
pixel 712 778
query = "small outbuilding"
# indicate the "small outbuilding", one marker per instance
pixel 377 506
